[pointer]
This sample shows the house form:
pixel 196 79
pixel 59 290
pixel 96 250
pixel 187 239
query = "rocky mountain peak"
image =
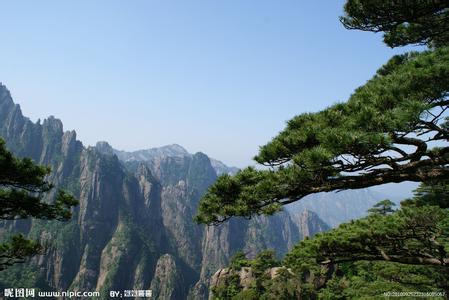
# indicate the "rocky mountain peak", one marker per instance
pixel 7 106
pixel 173 149
pixel 5 96
pixel 104 148
pixel 53 124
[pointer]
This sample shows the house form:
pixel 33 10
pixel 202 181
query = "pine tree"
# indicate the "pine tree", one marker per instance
pixel 392 129
pixel 385 133
pixel 403 22
pixel 22 188
pixel 383 207
pixel 403 250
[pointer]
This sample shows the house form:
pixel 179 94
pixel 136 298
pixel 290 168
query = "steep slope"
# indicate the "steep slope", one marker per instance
pixel 101 246
pixel 221 168
pixel 133 228
pixel 308 222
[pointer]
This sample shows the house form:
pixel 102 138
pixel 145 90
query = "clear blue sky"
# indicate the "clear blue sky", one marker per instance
pixel 220 77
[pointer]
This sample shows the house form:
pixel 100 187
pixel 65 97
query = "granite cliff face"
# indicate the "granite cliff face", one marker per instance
pixel 133 228
pixel 153 155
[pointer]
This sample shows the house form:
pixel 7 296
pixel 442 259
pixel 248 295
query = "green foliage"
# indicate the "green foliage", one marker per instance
pixel 219 199
pixel 365 251
pixel 384 207
pixel 22 275
pixel 228 289
pixel 263 261
pixel 382 134
pixel 376 137
pixel 238 260
pixel 403 22
pixel 117 245
pixel 260 280
pixel 386 132
pixel 248 294
pixel 22 187
pixel 58 235
pixel 433 193
pixel 22 172
pixel 411 235
pixel 260 283
pixel 16 249
pixel 367 280
pixel 404 250
pixel 419 230
pixel 284 286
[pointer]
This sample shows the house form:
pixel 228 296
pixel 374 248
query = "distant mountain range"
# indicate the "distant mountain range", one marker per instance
pixel 158 153
pixel 338 207
pixel 333 208
pixel 133 228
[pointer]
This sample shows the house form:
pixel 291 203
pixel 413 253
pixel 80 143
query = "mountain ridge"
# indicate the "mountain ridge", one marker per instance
pixel 155 153
pixel 134 221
